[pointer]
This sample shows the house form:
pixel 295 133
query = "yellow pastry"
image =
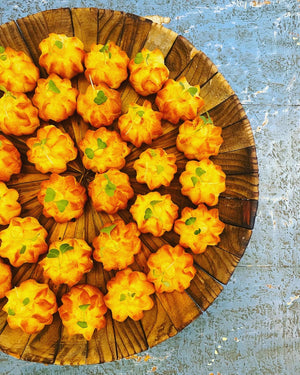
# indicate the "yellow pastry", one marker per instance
pixel 23 241
pixel 140 124
pixel 9 205
pixel 199 228
pixel 10 159
pixel 5 278
pixel 30 306
pixel 129 295
pixel 62 55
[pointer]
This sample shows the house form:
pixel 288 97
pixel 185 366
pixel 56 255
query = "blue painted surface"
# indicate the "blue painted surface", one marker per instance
pixel 253 326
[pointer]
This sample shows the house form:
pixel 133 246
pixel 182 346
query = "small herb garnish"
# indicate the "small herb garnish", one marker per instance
pixel 23 249
pixel 52 87
pixel 148 213
pixel 58 44
pixel 140 113
pixel 139 58
pixel 190 220
pixel 192 90
pixel 197 231
pixel 82 324
pixel 122 297
pixel 2 49
pixel 100 98
pixel 152 152
pixel 200 171
pixel 159 169
pixel 194 180
pixel 26 301
pixel 50 195
pixel 108 230
pixel 84 307
pixel 11 312
pixel 54 253
pixel 153 203
pixel 109 187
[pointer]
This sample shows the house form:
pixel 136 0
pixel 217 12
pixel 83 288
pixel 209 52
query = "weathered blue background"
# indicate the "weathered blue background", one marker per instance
pixel 253 326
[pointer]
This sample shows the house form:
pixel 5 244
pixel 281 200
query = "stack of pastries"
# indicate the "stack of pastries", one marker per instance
pixel 78 143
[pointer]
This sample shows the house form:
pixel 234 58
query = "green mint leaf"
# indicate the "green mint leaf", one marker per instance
pixel 62 204
pixel 194 180
pixel 50 195
pixel 140 113
pixel 53 253
pixel 0 143
pixel 23 249
pixel 132 295
pixel 192 90
pixel 100 98
pixel 109 55
pixel 3 57
pixel 182 85
pixel 65 247
pixel 110 187
pixel 153 203
pixel 101 144
pixel 122 297
pixel 52 87
pixel 197 231
pixel 108 230
pixel 159 169
pixel 82 324
pixel 89 153
pixel 2 49
pixel 105 48
pixel 200 171
pixel 26 301
pixel 190 221
pixel 148 213
pixel 58 44
pixel 139 58
pixel 84 307
pixel 206 120
pixel 152 152
pixel 11 312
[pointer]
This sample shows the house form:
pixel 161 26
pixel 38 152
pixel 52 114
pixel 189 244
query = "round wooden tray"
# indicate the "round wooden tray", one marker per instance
pixel 237 205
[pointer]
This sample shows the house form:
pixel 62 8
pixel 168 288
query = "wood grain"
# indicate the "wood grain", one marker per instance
pixel 172 312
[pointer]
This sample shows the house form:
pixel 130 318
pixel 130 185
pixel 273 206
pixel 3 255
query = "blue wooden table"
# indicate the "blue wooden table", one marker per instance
pixel 253 326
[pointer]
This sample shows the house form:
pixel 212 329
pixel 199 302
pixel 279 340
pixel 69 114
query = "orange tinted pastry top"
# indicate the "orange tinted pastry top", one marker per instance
pixel 17 114
pixel 51 150
pixel 63 198
pixel 179 100
pixel 202 181
pixel 155 167
pixel 199 228
pixel 106 63
pixel 62 55
pixel 199 139
pixel 5 278
pixel 148 72
pixel 9 205
pixel 116 245
pixel 23 241
pixel 30 306
pixel 67 261
pixel 154 213
pixel 17 71
pixel 55 98
pixel 83 310
pixel 10 160
pixel 171 268
pixel 103 149
pixel 140 124
pixel 110 191
pixel 129 295
pixel 99 105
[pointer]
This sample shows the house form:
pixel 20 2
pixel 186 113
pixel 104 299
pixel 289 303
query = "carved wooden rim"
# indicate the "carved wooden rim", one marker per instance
pixel 238 204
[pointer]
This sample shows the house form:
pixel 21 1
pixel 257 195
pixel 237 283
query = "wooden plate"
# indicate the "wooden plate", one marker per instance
pixel 237 205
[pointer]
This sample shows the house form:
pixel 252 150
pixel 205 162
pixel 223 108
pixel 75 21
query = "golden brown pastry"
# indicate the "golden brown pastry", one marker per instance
pixel 10 159
pixel 106 63
pixel 17 71
pixel 178 100
pixel 62 55
pixel 140 124
pixel 155 167
pixel 199 139
pixel 62 198
pixel 55 98
pixel 103 149
pixel 202 181
pixel 148 72
pixel 82 310
pixel 9 205
pixel 154 213
pixel 199 228
pixel 129 295
pixel 51 150
pixel 99 105
pixel 116 245
pixel 30 306
pixel 5 278
pixel 17 114
pixel 170 268
pixel 67 261
pixel 110 191
pixel 23 241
